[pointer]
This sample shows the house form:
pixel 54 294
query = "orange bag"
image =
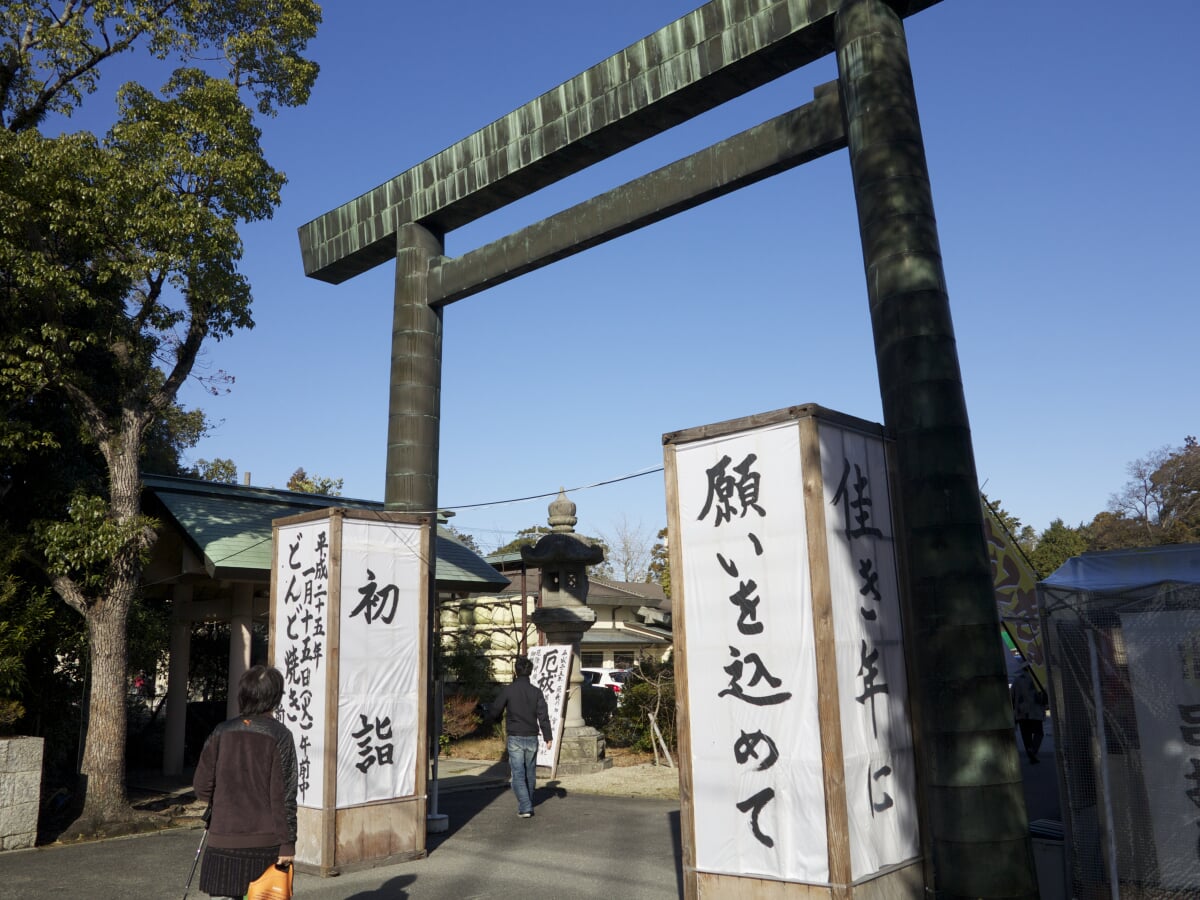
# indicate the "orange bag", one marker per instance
pixel 273 884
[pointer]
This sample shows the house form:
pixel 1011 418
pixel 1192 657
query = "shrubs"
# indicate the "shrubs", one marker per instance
pixel 460 714
pixel 465 663
pixel 649 691
pixel 599 704
pixel 11 712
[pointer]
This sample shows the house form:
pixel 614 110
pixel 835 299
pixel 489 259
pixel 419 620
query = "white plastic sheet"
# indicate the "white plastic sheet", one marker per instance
pixel 1163 652
pixel 759 803
pixel 551 669
pixel 872 682
pixel 301 632
pixel 378 699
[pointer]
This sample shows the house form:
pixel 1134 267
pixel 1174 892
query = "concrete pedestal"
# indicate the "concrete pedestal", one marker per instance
pixel 581 751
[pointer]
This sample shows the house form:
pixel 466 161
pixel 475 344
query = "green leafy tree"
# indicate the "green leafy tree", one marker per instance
pixel 1024 535
pixel 118 260
pixel 1113 531
pixel 530 536
pixel 222 471
pixel 43 639
pixel 1058 543
pixel 534 533
pixel 660 562
pixel 314 484
pixel 23 619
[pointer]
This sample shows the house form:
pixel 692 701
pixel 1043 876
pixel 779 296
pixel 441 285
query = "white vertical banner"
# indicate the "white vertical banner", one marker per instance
pixel 872 683
pixel 758 791
pixel 301 609
pixel 551 669
pixel 380 653
pixel 1163 653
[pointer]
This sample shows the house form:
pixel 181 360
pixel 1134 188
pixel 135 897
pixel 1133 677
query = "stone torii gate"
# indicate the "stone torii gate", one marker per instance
pixel 974 832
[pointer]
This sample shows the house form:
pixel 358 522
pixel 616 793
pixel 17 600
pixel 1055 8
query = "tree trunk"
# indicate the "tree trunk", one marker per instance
pixel 105 799
pixel 103 767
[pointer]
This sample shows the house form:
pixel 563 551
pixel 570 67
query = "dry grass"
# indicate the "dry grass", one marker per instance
pixel 487 748
pixel 623 756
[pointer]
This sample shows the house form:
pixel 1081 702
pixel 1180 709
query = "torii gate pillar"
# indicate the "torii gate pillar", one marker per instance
pixel 951 604
pixel 415 396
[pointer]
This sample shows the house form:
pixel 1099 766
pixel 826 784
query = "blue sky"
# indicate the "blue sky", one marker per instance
pixel 1062 143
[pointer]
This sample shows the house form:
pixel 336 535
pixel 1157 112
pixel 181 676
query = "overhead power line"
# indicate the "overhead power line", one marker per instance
pixel 584 487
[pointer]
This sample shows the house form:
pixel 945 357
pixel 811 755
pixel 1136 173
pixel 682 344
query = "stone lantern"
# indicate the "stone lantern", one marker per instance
pixel 563 617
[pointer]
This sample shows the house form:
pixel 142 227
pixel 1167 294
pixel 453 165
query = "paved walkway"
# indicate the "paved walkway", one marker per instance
pixel 578 846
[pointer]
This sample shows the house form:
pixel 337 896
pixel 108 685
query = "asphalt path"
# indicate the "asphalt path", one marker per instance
pixel 1040 780
pixel 578 846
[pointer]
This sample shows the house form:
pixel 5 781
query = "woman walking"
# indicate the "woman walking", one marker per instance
pixel 247 776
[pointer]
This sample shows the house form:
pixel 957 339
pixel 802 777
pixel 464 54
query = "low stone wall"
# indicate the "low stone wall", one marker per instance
pixel 20 791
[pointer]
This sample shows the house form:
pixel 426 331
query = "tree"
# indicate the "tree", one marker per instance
pixel 533 533
pixel 1177 480
pixel 467 540
pixel 1024 535
pixel 630 550
pixel 530 536
pixel 1140 501
pixel 1160 504
pixel 648 695
pixel 1112 531
pixel 314 484
pixel 1058 543
pixel 23 616
pixel 222 471
pixel 660 562
pixel 118 260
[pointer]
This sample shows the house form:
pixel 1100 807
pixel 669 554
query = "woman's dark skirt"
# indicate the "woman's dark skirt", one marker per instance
pixel 228 873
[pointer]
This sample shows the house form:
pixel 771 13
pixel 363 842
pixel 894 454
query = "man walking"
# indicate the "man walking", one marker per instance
pixel 1029 709
pixel 527 713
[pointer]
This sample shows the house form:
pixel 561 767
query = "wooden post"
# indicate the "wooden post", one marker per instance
pixel 837 824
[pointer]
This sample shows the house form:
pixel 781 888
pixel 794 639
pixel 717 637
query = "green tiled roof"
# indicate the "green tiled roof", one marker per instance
pixel 229 527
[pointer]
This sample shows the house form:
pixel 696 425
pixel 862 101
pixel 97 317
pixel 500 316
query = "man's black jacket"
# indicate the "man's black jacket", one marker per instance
pixel 527 710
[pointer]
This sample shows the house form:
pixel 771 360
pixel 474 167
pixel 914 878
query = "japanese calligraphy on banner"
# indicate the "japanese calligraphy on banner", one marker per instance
pixel 872 684
pixel 379 673
pixel 1163 652
pixel 551 668
pixel 758 794
pixel 1016 592
pixel 301 631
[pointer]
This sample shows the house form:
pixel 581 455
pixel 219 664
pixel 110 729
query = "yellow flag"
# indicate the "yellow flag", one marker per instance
pixel 1016 593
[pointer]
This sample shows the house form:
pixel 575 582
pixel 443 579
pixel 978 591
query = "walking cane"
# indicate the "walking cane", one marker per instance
pixel 203 838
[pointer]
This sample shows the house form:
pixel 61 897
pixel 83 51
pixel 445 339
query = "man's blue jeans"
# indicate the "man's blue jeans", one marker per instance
pixel 522 760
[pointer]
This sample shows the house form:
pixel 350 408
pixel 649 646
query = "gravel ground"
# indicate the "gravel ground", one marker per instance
pixel 645 780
